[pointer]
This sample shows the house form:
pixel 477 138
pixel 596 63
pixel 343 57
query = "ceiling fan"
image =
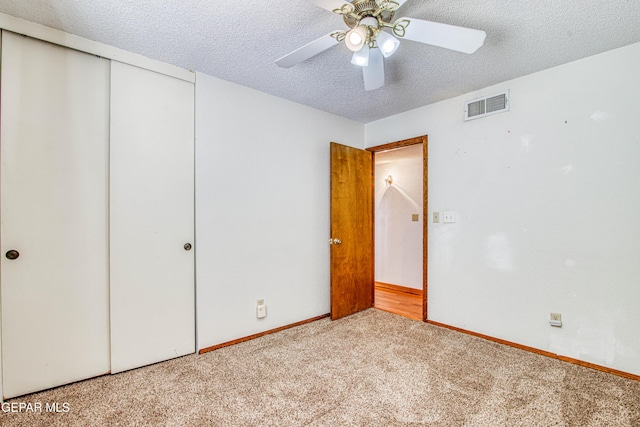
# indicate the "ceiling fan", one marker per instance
pixel 367 38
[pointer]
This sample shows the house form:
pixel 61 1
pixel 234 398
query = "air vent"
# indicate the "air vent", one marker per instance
pixel 486 106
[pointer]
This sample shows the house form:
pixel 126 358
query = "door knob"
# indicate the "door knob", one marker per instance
pixel 12 254
pixel 187 246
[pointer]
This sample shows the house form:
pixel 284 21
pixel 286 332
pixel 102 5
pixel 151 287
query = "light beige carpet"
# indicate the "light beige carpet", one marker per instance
pixel 370 369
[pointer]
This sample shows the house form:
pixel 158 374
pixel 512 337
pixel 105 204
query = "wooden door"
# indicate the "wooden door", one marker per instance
pixel 54 213
pixel 351 230
pixel 152 217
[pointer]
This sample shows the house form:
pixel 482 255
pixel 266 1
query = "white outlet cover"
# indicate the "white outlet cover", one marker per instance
pixel 555 319
pixel 261 311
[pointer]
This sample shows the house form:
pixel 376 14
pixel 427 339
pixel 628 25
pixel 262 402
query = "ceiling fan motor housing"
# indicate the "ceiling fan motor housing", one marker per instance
pixel 367 8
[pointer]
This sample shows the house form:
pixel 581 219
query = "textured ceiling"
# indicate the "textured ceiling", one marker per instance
pixel 239 42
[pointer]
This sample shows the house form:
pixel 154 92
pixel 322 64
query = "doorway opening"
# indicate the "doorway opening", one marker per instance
pixel 400 224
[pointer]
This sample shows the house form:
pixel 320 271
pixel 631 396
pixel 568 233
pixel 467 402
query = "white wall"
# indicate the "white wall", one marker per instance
pixel 548 207
pixel 398 241
pixel 262 208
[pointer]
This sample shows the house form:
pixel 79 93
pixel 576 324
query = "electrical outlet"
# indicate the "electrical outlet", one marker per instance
pixel 555 319
pixel 261 309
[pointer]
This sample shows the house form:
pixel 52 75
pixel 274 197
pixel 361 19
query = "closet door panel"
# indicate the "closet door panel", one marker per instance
pixel 54 213
pixel 152 217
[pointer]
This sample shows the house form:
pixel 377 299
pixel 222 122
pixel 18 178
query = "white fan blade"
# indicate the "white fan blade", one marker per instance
pixel 330 5
pixel 373 73
pixel 307 51
pixel 462 39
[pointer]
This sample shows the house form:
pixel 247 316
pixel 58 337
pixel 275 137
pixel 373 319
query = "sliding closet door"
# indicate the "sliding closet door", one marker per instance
pixel 152 217
pixel 54 207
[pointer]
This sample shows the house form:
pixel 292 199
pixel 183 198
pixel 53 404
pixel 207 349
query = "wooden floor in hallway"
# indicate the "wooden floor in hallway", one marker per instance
pixel 399 300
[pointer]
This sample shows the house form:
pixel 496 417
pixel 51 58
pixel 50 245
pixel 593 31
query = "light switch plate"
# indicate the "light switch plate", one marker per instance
pixel 449 216
pixel 436 217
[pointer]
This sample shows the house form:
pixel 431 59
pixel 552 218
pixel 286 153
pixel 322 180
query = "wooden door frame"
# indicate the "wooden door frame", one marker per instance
pixel 424 140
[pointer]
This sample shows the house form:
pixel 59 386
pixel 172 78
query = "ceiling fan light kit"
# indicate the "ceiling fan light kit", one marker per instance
pixel 356 38
pixel 367 38
pixel 361 57
pixel 387 43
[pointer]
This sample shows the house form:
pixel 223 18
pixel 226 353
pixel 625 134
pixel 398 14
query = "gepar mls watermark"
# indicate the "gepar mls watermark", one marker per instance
pixel 35 407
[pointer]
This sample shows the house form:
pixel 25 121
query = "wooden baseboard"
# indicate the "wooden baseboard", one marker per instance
pixel 261 334
pixel 541 352
pixel 398 288
pixel 454 328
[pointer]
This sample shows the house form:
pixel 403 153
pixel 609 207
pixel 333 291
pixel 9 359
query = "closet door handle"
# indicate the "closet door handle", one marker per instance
pixel 187 246
pixel 12 254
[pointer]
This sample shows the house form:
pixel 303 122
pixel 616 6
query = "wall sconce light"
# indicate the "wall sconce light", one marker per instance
pixel 389 180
